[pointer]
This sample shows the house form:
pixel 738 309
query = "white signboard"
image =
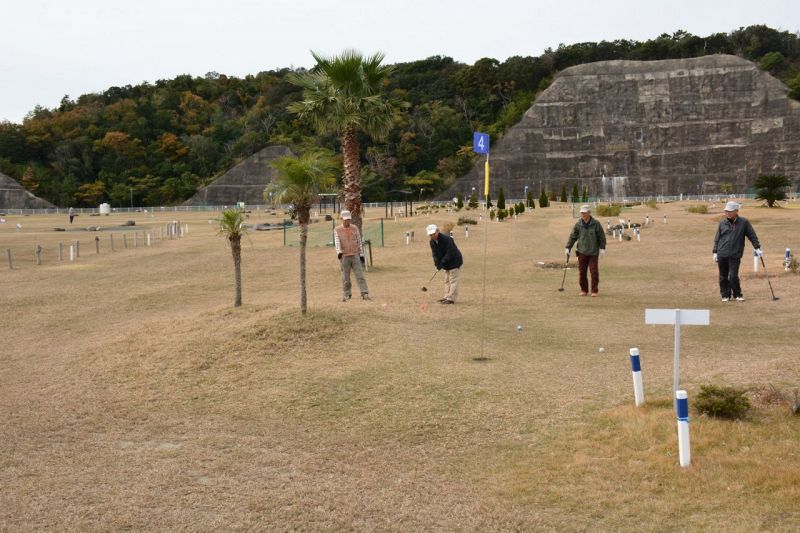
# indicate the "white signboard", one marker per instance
pixel 684 317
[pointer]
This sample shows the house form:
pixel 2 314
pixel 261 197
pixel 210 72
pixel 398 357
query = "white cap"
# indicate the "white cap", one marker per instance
pixel 346 215
pixel 431 229
pixel 586 209
pixel 731 206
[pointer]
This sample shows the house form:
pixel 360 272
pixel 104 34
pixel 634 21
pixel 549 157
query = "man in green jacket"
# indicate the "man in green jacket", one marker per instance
pixel 591 241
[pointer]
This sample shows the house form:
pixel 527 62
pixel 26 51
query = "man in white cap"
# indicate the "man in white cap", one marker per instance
pixel 350 251
pixel 447 257
pixel 729 248
pixel 591 239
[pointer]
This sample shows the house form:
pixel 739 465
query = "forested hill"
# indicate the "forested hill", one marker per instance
pixel 161 141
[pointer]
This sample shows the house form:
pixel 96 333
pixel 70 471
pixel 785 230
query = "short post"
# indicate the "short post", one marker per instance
pixel 147 242
pixel 38 252
pixel 72 252
pixel 77 249
pixel 124 241
pixel 61 251
pixel 638 234
pixel 111 238
pixel 614 233
pixel 646 220
pixel 787 259
pixel 466 231
pixel 97 244
pixel 186 229
pixel 755 261
pixel 636 371
pixel 10 263
pixel 665 219
pixel 408 237
pixel 684 448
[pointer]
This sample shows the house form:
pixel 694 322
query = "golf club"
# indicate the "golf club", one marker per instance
pixel 561 289
pixel 774 298
pixel 424 288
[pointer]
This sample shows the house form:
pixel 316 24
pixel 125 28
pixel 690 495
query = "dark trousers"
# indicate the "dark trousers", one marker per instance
pixel 588 262
pixel 729 277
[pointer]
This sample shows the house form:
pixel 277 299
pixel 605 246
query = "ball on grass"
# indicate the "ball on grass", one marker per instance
pixel 422 307
pixel 519 327
pixel 601 349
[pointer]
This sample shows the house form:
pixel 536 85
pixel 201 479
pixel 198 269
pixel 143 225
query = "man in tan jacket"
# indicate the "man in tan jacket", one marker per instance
pixel 350 251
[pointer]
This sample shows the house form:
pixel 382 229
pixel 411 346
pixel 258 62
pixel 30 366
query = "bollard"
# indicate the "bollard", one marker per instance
pixel 10 264
pixel 124 241
pixel 186 229
pixel 787 260
pixel 408 238
pixel 755 261
pixel 77 249
pixel 111 238
pixel 684 449
pixel 61 251
pixel 466 231
pixel 613 233
pixel 72 252
pixel 38 252
pixel 147 242
pixel 665 219
pixel 646 220
pixel 97 244
pixel 638 235
pixel 636 371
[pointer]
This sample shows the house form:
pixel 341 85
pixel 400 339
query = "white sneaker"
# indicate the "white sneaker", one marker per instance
pixel 726 299
pixel 740 299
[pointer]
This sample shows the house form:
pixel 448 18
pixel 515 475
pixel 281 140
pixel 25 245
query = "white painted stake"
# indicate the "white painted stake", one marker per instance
pixel 408 238
pixel 72 252
pixel 684 448
pixel 636 371
pixel 148 239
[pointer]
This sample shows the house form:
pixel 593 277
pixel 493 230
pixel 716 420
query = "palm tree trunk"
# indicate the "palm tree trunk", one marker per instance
pixel 352 174
pixel 303 240
pixel 236 250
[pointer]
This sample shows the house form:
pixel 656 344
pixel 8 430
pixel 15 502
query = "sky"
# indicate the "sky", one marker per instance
pixel 53 48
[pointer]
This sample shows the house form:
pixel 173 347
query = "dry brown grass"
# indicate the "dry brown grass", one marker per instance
pixel 133 396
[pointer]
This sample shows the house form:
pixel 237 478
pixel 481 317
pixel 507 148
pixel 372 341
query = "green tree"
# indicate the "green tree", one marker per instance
pixel 473 200
pixel 489 201
pixel 543 200
pixel 771 187
pixel 459 201
pixel 529 200
pixel 300 181
pixel 231 225
pixel 563 193
pixel 726 188
pixel 501 199
pixel 575 193
pixel 585 194
pixel 344 95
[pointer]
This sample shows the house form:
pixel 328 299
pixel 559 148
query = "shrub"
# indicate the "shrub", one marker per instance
pixel 501 214
pixel 651 203
pixel 793 265
pixel 492 214
pixel 722 402
pixel 608 210
pixel 464 220
pixel 700 209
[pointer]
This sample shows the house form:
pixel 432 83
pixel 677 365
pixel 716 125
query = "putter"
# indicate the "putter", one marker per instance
pixel 774 298
pixel 424 288
pixel 561 289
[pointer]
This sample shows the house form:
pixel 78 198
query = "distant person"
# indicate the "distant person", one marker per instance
pixel 447 257
pixel 350 251
pixel 591 239
pixel 71 215
pixel 729 248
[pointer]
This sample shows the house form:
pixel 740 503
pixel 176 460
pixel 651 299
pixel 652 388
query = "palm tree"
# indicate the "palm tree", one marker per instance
pixel 344 95
pixel 771 187
pixel 231 224
pixel 299 182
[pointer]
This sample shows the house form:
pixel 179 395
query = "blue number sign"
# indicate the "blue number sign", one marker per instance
pixel 480 143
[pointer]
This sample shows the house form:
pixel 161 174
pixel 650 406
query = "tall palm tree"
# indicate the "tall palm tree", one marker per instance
pixel 344 95
pixel 299 182
pixel 231 224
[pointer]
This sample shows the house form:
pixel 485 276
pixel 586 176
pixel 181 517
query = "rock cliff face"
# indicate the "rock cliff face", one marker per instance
pixel 243 183
pixel 648 128
pixel 14 196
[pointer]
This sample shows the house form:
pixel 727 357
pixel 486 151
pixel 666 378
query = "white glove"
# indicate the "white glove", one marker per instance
pixel 759 253
pixel 566 252
pixel 714 256
pixel 602 252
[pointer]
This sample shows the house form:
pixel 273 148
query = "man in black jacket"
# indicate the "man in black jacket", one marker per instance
pixel 729 248
pixel 447 256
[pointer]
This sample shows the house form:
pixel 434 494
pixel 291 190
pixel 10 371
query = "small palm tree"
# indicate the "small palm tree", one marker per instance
pixel 231 224
pixel 344 95
pixel 771 187
pixel 299 182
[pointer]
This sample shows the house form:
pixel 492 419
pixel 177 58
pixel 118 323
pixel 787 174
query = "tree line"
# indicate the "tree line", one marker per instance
pixel 157 143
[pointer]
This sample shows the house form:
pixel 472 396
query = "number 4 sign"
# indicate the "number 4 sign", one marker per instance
pixel 480 143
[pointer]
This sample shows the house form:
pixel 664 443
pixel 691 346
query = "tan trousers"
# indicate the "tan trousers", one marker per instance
pixel 352 262
pixel 451 284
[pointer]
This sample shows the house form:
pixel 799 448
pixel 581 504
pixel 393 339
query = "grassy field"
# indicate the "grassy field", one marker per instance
pixel 134 396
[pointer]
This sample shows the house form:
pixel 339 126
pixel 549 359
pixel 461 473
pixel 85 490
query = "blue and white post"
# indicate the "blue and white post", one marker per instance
pixel 636 371
pixel 787 259
pixel 684 451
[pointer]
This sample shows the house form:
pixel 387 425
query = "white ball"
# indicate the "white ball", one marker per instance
pixel 519 327
pixel 601 350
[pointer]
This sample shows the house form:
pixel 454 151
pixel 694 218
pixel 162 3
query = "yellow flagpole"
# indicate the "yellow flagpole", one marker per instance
pixel 486 177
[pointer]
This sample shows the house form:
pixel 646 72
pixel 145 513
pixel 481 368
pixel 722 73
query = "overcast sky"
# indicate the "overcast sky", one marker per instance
pixel 51 48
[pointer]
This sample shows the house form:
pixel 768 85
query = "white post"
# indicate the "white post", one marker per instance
pixel 787 259
pixel 408 238
pixel 638 235
pixel 636 370
pixel 72 252
pixel 665 219
pixel 186 229
pixel 677 351
pixel 148 239
pixel 684 448
pixel 466 231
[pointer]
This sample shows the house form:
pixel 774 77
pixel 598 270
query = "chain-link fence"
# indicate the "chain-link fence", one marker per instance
pixel 321 233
